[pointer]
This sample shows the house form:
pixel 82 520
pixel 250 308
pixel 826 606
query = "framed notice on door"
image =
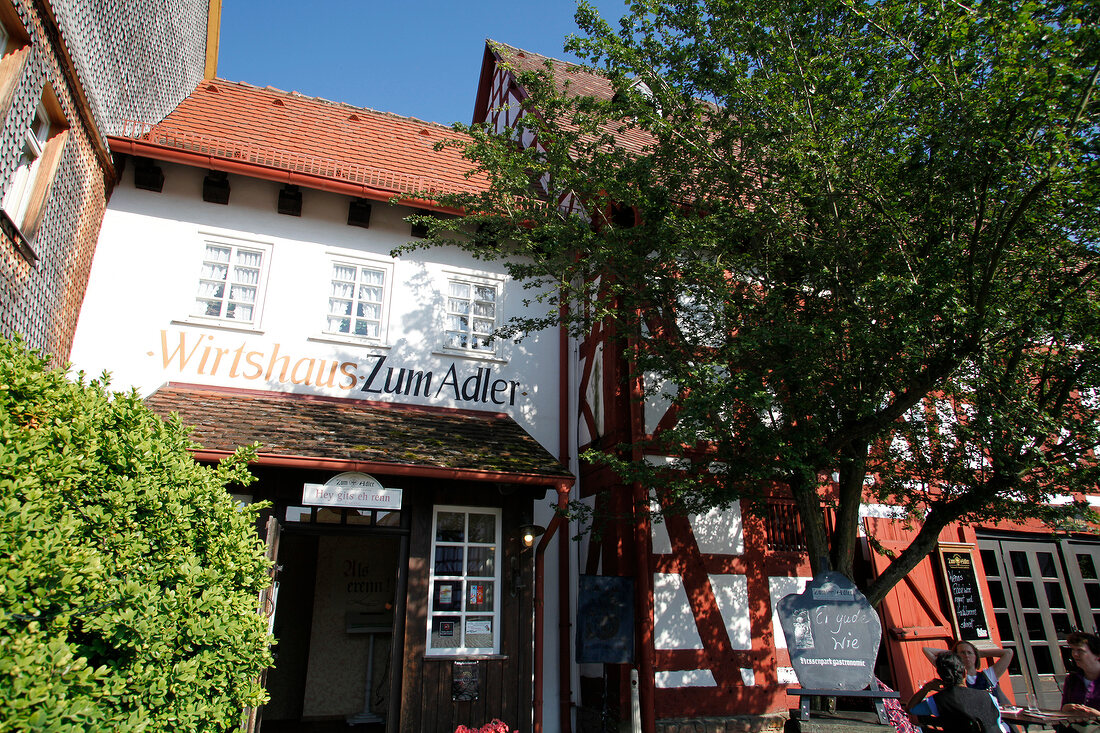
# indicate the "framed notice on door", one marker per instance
pixel 964 591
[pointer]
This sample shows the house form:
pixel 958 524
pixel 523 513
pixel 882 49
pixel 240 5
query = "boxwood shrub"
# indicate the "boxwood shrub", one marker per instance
pixel 128 574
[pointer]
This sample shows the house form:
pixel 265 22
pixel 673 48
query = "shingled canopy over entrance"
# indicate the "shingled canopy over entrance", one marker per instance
pixel 299 427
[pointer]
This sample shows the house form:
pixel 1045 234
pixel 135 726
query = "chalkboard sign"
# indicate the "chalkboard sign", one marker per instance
pixel 832 634
pixel 967 608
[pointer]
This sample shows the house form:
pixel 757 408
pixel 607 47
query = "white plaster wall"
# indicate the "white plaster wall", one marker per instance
pixel 662 544
pixel 685 678
pixel 786 676
pixel 718 532
pixel 657 404
pixel 673 620
pixel 145 274
pixel 732 594
pixel 594 397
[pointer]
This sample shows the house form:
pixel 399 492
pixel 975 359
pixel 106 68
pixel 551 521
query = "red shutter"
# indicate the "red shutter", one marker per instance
pixel 912 612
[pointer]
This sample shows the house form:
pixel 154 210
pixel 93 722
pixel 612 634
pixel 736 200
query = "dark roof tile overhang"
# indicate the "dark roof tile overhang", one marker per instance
pixel 329 433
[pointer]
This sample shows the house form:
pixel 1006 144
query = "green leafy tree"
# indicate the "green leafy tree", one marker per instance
pixel 843 238
pixel 129 577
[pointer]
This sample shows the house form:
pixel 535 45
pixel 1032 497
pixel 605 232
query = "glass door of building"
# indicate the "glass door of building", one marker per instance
pixel 1030 595
pixel 1041 590
pixel 1082 562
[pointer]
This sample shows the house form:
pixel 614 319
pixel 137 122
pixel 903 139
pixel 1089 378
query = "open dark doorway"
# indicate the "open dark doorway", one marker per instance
pixel 333 625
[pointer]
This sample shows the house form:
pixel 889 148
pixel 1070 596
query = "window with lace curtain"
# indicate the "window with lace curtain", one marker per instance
pixel 357 299
pixel 231 282
pixel 41 143
pixel 18 195
pixel 471 317
pixel 39 137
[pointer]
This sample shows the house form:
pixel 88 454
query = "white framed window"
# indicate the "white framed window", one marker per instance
pixel 464 606
pixel 472 314
pixel 358 299
pixel 20 190
pixel 231 281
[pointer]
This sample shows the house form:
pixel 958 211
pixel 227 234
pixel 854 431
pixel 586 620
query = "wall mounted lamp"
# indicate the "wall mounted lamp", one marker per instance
pixel 528 533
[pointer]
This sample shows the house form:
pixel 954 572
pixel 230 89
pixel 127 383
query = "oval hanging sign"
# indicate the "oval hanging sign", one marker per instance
pixel 351 489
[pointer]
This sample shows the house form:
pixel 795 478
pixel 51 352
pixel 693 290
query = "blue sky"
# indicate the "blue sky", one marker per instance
pixel 418 58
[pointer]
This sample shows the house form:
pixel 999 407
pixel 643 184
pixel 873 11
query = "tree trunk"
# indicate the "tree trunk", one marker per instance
pixel 808 502
pixel 846 530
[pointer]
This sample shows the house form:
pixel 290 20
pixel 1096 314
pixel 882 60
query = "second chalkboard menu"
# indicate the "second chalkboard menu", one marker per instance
pixel 961 579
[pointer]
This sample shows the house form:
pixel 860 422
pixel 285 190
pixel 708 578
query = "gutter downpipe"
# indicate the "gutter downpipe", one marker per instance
pixel 565 671
pixel 643 587
pixel 643 595
pixel 540 651
pixel 565 666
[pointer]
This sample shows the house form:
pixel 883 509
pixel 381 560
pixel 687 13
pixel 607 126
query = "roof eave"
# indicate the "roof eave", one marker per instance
pixel 279 175
pixel 560 483
pixel 489 62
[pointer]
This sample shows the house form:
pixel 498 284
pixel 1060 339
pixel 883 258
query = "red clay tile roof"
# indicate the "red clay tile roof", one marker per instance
pixel 577 80
pixel 352 430
pixel 288 131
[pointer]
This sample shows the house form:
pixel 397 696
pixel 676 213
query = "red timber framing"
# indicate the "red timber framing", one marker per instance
pixel 746 674
pixel 499 103
pixel 610 412
pixel 732 695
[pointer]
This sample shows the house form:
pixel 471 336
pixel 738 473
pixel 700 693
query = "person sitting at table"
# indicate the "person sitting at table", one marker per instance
pixel 979 679
pixel 1081 691
pixel 954 704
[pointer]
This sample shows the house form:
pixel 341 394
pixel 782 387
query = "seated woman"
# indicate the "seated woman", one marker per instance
pixel 1081 692
pixel 953 703
pixel 979 679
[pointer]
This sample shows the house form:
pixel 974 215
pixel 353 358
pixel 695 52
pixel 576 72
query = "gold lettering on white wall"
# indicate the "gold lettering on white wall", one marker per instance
pixel 460 382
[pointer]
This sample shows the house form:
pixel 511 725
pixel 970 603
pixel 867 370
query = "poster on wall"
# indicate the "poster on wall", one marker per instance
pixel 605 619
pixel 465 681
pixel 479 627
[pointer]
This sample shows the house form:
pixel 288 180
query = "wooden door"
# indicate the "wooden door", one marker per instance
pixel 268 598
pixel 912 612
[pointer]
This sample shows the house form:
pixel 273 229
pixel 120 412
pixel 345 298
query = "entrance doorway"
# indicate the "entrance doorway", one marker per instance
pixel 1040 590
pixel 334 621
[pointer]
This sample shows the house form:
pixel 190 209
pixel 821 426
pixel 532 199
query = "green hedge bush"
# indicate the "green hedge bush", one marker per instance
pixel 128 574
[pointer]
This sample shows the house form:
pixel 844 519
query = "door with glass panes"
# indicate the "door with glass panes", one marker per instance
pixel 1036 605
pixel 1082 561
